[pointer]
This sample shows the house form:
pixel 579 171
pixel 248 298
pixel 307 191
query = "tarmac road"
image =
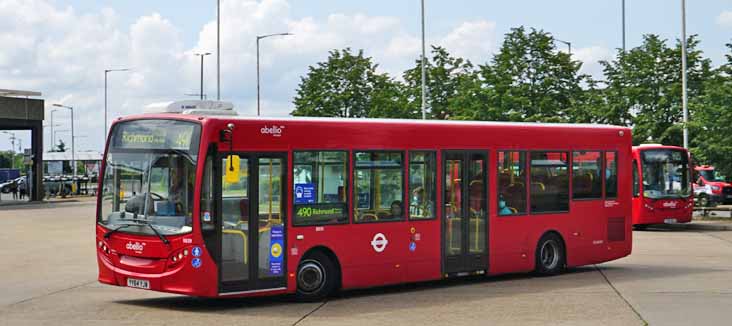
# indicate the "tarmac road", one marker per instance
pixel 677 275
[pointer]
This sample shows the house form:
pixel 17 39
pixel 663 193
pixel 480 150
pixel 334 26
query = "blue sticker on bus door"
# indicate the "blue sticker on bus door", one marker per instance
pixel 304 193
pixel 276 249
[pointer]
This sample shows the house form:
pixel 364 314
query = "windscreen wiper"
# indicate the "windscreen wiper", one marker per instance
pixel 141 222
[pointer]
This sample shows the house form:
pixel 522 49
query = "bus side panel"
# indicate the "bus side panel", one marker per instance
pixel 510 249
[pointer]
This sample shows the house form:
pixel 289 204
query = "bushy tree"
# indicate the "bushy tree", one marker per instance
pixel 644 86
pixel 346 85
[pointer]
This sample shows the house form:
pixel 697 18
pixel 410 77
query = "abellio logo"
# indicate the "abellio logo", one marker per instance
pixel 138 247
pixel 275 131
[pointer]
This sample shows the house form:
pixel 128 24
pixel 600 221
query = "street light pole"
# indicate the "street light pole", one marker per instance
pixel 259 37
pixel 684 95
pixel 218 50
pixel 569 45
pixel 424 72
pixel 623 28
pixel 73 148
pixel 107 71
pixel 53 138
pixel 202 55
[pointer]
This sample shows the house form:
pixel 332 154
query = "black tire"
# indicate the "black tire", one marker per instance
pixel 703 200
pixel 317 277
pixel 550 255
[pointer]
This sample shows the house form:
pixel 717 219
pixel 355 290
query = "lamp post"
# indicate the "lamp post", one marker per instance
pixel 107 71
pixel 259 37
pixel 202 55
pixel 424 72
pixel 218 50
pixel 684 95
pixel 569 45
pixel 623 22
pixel 53 138
pixel 73 148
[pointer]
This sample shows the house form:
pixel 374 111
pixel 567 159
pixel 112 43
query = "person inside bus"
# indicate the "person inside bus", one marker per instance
pixel 396 210
pixel 503 208
pixel 181 194
pixel 420 207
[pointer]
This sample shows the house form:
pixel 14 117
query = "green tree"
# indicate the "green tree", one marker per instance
pixel 644 88
pixel 710 124
pixel 347 85
pixel 445 75
pixel 528 80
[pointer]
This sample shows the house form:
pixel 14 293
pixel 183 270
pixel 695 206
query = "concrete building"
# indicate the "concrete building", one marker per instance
pixel 18 111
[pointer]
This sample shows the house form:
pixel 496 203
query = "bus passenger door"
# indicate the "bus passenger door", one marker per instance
pixel 252 222
pixel 464 226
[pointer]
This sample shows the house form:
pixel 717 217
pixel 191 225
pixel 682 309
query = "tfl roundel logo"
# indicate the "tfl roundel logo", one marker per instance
pixel 379 242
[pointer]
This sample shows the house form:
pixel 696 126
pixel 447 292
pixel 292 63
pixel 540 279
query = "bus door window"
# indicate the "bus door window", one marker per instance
pixel 476 188
pixel 270 207
pixel 511 183
pixel 379 186
pixel 453 205
pixel 235 218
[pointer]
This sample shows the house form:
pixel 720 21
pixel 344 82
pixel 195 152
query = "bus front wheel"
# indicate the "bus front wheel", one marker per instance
pixel 316 277
pixel 550 255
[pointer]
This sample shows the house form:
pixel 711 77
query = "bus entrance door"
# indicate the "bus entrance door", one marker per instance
pixel 464 225
pixel 252 222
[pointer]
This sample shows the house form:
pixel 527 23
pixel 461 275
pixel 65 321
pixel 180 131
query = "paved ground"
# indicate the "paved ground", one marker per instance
pixel 680 275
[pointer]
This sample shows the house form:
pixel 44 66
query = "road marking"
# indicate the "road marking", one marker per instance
pixel 52 293
pixel 310 313
pixel 637 313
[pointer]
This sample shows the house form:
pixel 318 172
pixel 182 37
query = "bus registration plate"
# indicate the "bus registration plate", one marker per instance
pixel 140 284
pixel 669 221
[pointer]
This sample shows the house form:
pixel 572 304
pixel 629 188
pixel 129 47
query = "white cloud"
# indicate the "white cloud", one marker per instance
pixel 475 40
pixel 725 19
pixel 63 53
pixel 591 57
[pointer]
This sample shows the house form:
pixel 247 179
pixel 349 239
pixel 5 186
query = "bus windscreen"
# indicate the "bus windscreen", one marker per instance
pixel 665 174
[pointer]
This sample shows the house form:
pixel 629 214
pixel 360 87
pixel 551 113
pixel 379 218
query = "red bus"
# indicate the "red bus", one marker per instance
pixel 662 191
pixel 225 206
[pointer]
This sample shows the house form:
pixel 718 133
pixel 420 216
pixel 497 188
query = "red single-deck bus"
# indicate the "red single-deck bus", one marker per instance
pixel 208 204
pixel 662 191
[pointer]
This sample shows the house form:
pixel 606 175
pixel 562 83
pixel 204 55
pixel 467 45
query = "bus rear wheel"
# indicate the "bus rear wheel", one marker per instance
pixel 316 277
pixel 550 255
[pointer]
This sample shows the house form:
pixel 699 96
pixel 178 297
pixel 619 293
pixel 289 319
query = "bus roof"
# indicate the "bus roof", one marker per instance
pixel 374 121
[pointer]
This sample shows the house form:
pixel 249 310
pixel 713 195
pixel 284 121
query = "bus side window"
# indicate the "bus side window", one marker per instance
pixel 319 186
pixel 586 175
pixel 611 175
pixel 422 182
pixel 636 180
pixel 378 186
pixel 511 182
pixel 549 182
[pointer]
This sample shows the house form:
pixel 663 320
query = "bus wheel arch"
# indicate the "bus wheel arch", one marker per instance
pixel 550 257
pixel 318 274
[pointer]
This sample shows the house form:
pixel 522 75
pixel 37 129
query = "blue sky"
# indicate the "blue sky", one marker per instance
pixel 61 48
